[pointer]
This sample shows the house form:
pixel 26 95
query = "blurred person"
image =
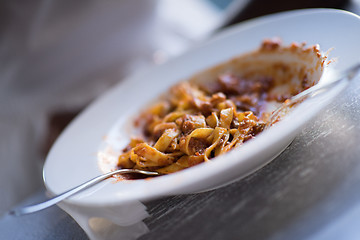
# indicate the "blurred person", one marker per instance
pixel 58 56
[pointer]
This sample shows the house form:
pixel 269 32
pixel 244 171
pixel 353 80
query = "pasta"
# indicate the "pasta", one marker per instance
pixel 188 127
pixel 196 122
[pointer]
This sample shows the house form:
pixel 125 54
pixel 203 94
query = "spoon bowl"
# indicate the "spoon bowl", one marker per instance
pixel 337 79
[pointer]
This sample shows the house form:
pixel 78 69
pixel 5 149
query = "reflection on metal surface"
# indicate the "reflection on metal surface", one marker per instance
pixel 118 222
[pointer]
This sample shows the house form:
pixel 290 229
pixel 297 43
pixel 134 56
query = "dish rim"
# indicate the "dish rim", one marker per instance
pixel 244 149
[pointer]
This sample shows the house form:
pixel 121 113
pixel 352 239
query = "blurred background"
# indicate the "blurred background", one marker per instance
pixel 58 56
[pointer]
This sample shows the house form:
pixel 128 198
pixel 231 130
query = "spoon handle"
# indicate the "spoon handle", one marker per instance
pixel 52 201
pixel 339 78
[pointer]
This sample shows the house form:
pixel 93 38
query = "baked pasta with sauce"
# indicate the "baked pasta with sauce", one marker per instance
pixel 221 108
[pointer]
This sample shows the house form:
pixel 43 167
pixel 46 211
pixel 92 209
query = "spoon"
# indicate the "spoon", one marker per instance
pixel 346 76
pixel 52 201
pixel 336 78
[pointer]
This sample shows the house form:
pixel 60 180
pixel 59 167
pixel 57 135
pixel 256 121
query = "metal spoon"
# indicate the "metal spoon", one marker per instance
pixel 338 78
pixel 348 75
pixel 52 201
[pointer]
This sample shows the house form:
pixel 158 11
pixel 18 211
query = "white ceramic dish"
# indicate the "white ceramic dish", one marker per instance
pixel 73 158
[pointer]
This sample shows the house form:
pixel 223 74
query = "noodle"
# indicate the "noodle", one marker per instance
pixel 195 123
pixel 187 128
